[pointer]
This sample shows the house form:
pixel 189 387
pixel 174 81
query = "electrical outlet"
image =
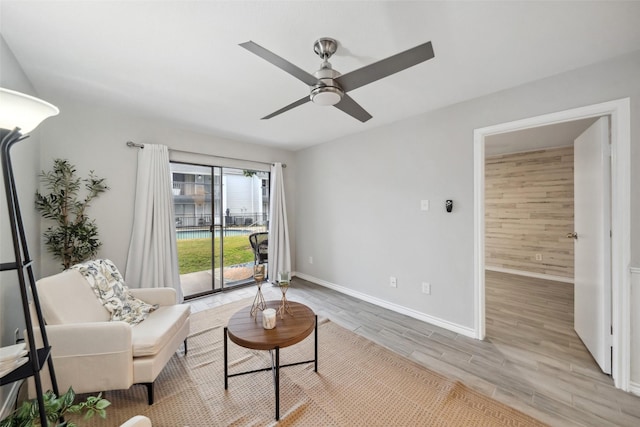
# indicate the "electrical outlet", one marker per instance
pixel 310 260
pixel 538 257
pixel 393 282
pixel 426 288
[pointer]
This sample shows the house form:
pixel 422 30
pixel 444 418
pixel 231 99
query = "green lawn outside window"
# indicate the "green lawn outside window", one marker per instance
pixel 195 254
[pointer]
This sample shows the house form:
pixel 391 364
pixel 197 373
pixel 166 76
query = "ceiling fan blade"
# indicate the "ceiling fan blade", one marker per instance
pixel 385 67
pixel 280 62
pixel 352 108
pixel 288 107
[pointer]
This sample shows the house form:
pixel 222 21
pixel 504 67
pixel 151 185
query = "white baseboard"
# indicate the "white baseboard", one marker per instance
pixel 634 388
pixel 530 274
pixel 10 400
pixel 459 329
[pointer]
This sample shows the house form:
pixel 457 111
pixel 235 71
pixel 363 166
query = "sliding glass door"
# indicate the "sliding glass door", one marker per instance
pixel 217 209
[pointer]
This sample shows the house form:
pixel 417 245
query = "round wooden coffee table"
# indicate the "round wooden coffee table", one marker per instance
pixel 247 331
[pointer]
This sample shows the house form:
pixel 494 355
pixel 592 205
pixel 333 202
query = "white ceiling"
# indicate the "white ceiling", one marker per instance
pixel 180 61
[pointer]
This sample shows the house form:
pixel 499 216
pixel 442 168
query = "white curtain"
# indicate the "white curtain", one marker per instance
pixel 279 250
pixel 153 258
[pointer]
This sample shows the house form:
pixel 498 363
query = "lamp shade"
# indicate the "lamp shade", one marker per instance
pixel 23 111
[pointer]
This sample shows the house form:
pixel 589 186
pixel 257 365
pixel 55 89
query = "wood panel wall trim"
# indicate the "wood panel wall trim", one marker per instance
pixel 530 274
pixel 529 211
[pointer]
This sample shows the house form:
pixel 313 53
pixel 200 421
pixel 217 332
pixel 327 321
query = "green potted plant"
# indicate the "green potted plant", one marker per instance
pixel 28 415
pixel 74 238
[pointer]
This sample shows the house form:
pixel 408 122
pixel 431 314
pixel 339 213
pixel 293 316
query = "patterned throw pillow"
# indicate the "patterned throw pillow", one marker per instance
pixel 108 285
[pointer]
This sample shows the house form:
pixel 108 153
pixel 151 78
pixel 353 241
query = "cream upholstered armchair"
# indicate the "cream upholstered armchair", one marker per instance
pixel 91 351
pixel 137 421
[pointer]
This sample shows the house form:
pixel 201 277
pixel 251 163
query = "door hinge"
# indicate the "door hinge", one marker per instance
pixel 611 339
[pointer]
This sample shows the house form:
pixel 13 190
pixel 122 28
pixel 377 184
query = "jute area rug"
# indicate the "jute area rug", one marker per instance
pixel 358 383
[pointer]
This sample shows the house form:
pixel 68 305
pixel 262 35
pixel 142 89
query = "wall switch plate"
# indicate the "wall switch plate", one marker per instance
pixel 310 260
pixel 426 288
pixel 393 282
pixel 424 205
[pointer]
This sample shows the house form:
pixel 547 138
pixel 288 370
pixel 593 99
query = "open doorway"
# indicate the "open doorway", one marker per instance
pixel 554 290
pixel 619 111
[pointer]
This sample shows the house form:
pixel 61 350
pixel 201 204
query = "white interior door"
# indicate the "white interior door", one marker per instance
pixel 592 219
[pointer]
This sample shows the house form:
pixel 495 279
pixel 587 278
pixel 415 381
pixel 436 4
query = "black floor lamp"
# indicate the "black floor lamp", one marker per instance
pixel 19 115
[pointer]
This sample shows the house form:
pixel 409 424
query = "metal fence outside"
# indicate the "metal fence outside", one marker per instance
pixel 199 227
pixel 246 219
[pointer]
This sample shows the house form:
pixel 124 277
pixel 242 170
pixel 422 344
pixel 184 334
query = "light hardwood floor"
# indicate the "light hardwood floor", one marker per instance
pixel 531 359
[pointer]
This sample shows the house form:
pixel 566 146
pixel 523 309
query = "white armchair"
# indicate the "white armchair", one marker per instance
pixel 90 352
pixel 137 421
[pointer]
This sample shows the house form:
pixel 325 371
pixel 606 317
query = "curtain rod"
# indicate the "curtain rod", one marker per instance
pixel 132 144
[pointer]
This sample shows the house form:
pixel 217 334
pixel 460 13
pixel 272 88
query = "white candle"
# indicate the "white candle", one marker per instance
pixel 269 318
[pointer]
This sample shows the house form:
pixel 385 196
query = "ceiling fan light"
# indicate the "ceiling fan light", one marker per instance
pixel 326 95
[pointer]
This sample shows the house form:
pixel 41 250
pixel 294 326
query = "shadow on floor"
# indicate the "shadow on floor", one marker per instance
pixel 201 282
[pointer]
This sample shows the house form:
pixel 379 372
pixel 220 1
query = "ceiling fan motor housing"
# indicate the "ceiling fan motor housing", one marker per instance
pixel 327 91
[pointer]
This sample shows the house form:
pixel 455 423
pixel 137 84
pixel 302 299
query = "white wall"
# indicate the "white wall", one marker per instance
pixel 26 167
pixel 358 204
pixel 359 214
pixel 93 138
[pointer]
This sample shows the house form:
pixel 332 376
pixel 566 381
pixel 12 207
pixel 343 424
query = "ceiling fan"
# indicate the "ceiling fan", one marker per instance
pixel 329 87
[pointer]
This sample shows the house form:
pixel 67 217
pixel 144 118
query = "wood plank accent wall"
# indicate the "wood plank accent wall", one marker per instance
pixel 529 211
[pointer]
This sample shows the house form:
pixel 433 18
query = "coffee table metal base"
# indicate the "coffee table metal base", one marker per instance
pixel 275 365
